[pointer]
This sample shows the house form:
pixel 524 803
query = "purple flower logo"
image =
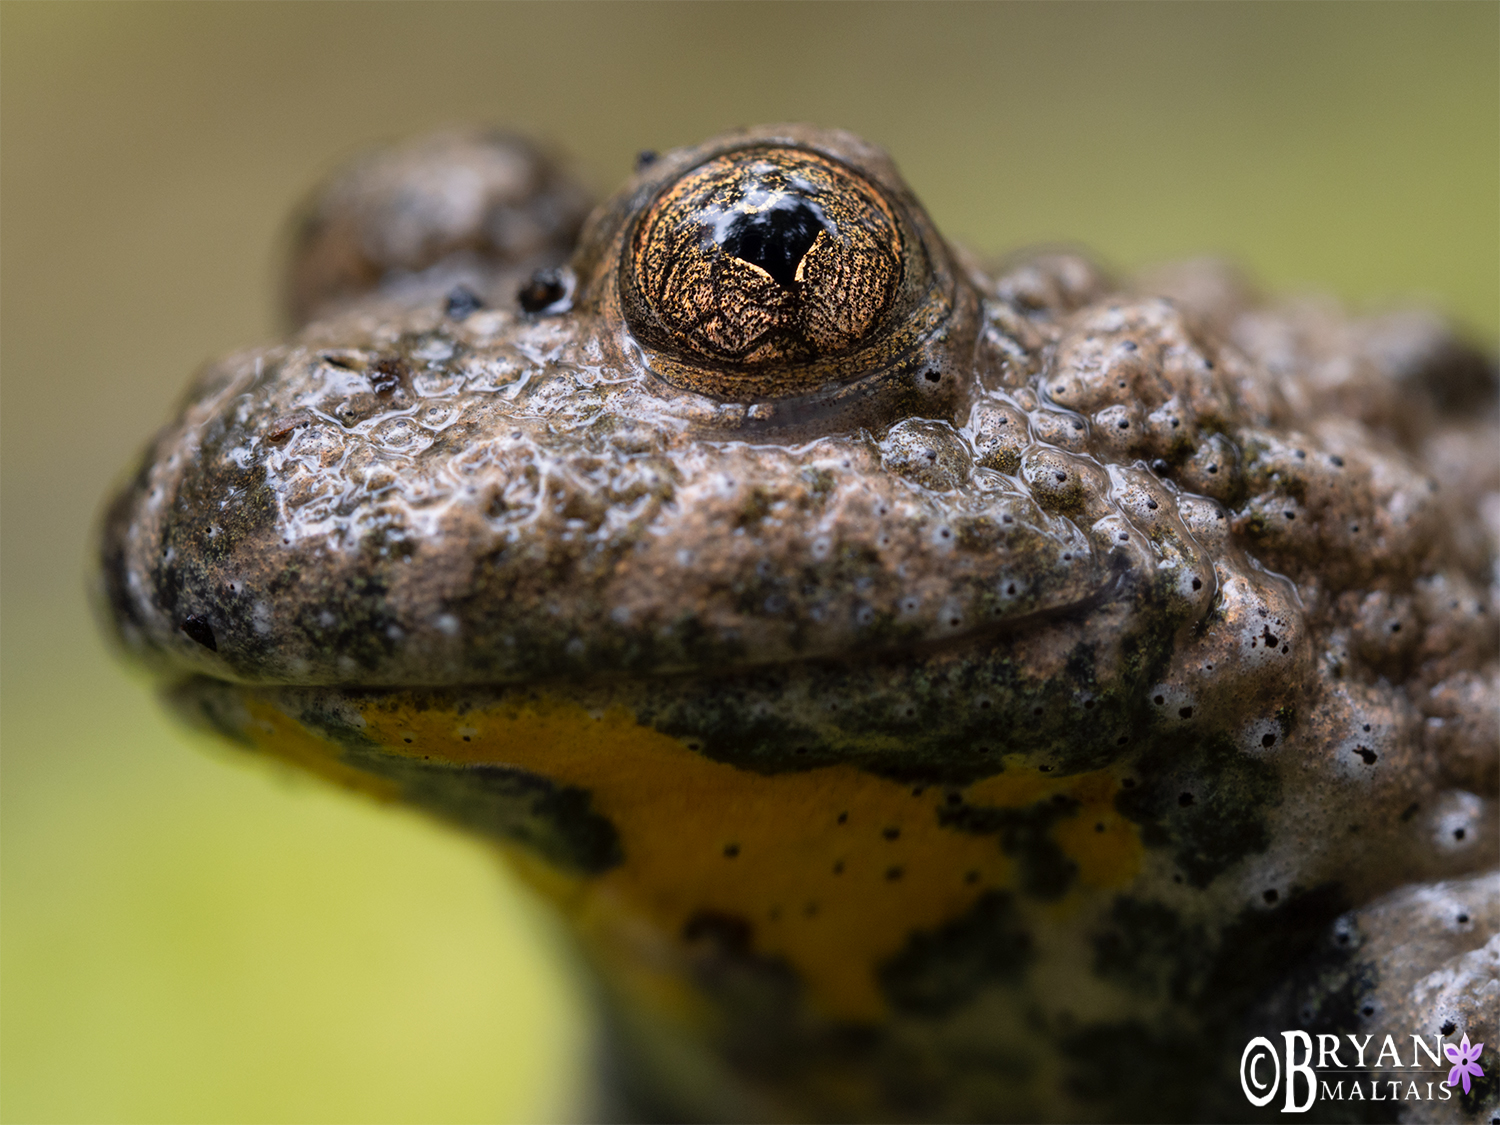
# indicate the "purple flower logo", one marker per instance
pixel 1465 1062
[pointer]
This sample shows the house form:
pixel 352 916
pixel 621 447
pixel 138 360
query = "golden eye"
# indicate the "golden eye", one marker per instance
pixel 760 268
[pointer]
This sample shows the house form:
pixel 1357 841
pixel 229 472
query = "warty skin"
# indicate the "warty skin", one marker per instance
pixel 930 689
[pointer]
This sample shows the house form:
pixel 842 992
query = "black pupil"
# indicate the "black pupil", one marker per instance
pixel 775 239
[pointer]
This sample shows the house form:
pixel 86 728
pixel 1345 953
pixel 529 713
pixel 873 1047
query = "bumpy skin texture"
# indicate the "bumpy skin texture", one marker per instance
pixel 995 719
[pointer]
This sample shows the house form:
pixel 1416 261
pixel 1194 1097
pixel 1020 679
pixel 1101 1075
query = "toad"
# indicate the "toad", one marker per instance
pixel 928 689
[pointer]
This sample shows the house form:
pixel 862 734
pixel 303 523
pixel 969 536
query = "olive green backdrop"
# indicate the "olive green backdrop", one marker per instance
pixel 190 937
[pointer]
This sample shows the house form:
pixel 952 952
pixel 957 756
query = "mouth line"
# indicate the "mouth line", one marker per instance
pixel 975 638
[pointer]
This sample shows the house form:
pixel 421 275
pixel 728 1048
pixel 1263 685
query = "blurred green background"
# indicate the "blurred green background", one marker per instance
pixel 191 937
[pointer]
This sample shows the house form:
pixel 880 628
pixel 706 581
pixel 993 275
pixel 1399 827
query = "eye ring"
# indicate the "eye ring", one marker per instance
pixel 773 271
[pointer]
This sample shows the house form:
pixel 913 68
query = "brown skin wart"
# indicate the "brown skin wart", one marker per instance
pixel 772 468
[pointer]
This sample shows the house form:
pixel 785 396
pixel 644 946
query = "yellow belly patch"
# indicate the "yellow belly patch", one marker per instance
pixel 833 867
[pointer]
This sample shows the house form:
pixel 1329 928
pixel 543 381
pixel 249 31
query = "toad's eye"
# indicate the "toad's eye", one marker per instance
pixel 761 267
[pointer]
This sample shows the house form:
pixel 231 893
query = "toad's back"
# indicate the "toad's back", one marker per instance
pixel 930 692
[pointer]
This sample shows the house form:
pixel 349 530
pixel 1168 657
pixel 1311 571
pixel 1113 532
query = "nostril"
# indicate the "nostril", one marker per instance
pixel 197 628
pixel 462 302
pixel 545 289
